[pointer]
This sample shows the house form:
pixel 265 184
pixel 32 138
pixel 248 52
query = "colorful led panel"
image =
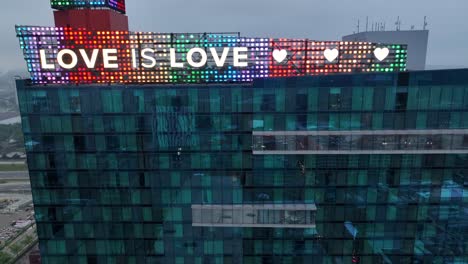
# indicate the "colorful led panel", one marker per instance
pixel 118 5
pixel 147 57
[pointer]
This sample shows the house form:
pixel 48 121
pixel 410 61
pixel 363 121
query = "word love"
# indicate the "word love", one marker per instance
pixel 68 59
pixel 239 57
pixel 196 58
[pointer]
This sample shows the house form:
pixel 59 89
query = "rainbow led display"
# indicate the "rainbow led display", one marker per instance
pixel 118 5
pixel 304 57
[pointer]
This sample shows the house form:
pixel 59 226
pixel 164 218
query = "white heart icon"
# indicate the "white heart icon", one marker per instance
pixel 280 55
pixel 331 55
pixel 381 53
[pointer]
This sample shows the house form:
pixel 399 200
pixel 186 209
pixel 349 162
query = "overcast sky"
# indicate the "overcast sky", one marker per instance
pixel 313 19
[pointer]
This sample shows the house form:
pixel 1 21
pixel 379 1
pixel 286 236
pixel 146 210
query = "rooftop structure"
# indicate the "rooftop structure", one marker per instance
pixel 415 40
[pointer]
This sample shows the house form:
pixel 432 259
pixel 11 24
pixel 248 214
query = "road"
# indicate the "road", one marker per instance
pixel 16 175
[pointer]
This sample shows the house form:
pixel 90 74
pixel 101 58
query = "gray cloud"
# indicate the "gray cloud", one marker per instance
pixel 314 19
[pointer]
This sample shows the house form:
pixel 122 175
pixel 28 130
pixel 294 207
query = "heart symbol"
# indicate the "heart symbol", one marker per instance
pixel 381 54
pixel 331 55
pixel 280 55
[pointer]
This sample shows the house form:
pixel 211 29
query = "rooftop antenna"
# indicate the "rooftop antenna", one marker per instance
pixel 358 22
pixel 425 23
pixel 367 23
pixel 398 24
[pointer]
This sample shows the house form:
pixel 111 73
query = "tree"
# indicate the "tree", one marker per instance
pixel 4 257
pixel 27 240
pixel 15 248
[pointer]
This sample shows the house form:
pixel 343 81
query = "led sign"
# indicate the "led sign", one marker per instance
pixel 65 55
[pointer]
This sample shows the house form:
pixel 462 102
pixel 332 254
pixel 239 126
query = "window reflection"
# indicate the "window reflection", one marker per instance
pixel 254 215
pixel 359 142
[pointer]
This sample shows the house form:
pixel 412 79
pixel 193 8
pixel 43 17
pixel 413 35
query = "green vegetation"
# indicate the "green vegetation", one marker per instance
pixel 16 248
pixel 12 131
pixel 13 167
pixel 11 139
pixel 4 257
pixel 27 241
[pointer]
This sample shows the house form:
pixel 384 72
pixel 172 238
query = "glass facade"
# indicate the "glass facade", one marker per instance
pixel 364 168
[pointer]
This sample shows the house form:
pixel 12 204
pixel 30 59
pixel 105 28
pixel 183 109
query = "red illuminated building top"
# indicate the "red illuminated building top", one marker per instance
pixel 117 5
pixel 91 15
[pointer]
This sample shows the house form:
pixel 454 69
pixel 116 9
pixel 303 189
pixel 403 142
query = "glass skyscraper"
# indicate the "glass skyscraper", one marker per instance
pixel 353 168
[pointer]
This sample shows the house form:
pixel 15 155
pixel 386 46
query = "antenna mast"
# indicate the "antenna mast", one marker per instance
pixel 367 23
pixel 398 24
